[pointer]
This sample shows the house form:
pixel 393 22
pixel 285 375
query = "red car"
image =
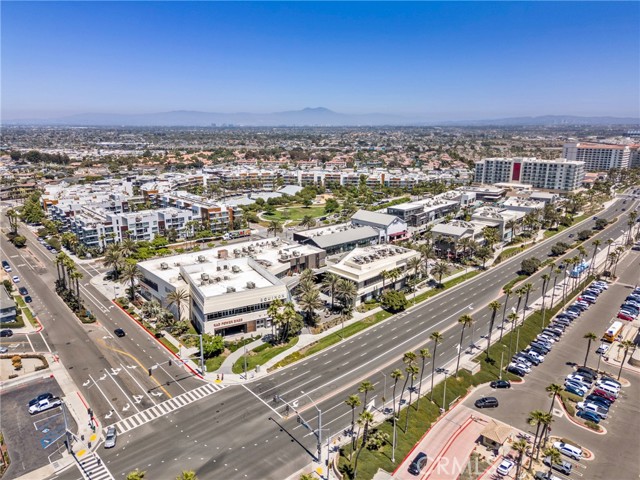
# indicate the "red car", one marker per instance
pixel 605 395
pixel 625 316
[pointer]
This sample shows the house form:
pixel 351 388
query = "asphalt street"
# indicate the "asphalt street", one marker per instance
pixel 619 446
pixel 242 420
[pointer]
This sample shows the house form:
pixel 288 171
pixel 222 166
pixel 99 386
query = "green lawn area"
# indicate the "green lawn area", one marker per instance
pixel 551 233
pixel 25 310
pixel 428 411
pixel 169 345
pixel 262 355
pixel 212 364
pixel 295 213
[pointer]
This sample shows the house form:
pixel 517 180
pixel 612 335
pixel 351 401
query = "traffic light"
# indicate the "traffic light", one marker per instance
pixel 150 372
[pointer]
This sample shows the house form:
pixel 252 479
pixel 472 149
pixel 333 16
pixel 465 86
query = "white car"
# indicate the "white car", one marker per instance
pixel 602 349
pixel 505 467
pixel 110 438
pixel 16 279
pixel 611 385
pixel 521 366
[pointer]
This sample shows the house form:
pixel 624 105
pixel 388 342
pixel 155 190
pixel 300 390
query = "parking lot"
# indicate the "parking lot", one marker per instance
pixel 32 440
pixel 623 434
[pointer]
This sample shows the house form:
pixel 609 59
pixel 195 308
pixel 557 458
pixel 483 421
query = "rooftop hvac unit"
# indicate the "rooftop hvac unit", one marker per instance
pixel 226 277
pixel 217 279
pixel 164 266
pixel 225 267
pixel 235 269
pixel 204 276
pixel 210 281
pixel 231 289
pixel 201 258
pixel 296 253
pixel 218 268
pixel 251 285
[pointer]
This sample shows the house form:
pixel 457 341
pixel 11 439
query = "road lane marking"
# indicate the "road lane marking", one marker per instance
pixel 113 409
pixel 261 400
pixel 138 383
pixel 122 390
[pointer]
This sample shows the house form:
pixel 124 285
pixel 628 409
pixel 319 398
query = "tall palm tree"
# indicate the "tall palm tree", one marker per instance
pixel 60 261
pixel 330 284
pixel 554 457
pixel 393 276
pixel 346 292
pixel 364 420
pixel 626 345
pixel 466 321
pixel 309 303
pixel 494 307
pixel 520 293
pixel 528 288
pixel 308 221
pixel 12 215
pixel 177 298
pixel 409 358
pixel 519 446
pixel 275 227
pixel 396 375
pixel 75 277
pixel 353 401
pixel 412 372
pixel 131 274
pixel 128 247
pixel 554 389
pixel 535 418
pixel 414 264
pixel 596 243
pixel 440 269
pixel 113 258
pixel 589 336
pixel 556 272
pixel 423 354
pixel 512 318
pixel 365 387
pixel 426 252
pixel 545 421
pixel 507 291
pixel 437 338
pixel 384 274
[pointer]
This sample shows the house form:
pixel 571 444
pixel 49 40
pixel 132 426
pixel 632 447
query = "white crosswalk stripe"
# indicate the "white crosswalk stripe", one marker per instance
pixel 165 407
pixel 93 468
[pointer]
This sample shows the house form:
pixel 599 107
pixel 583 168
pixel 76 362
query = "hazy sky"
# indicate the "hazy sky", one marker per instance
pixel 439 61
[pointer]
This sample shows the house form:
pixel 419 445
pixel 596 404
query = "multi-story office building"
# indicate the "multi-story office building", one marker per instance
pixel 598 157
pixel 218 217
pixel 560 174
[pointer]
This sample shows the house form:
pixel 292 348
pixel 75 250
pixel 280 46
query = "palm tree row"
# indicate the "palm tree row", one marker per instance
pixel 339 288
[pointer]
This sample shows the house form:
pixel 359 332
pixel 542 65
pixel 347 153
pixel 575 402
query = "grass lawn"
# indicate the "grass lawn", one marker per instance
pixel 262 355
pixel 169 345
pixel 428 411
pixel 212 364
pixel 551 233
pixel 25 310
pixel 295 213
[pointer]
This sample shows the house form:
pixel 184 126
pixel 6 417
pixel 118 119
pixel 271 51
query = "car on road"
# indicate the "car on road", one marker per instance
pixel 39 398
pixel 119 332
pixel 418 464
pixel 28 299
pixel 23 291
pixel 562 466
pixel 589 416
pixel 505 467
pixel 500 384
pixel 603 348
pixel 4 350
pixel 7 332
pixel 487 402
pixel 571 235
pixel 16 279
pixel 110 438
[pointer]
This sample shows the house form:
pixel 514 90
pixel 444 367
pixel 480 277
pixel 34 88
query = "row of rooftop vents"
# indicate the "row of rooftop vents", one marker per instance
pixel 378 254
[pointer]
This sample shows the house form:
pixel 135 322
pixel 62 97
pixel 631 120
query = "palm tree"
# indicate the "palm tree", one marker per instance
pixel 596 243
pixel 128 247
pixel 384 274
pixel 113 258
pixel 414 264
pixel 466 321
pixel 309 303
pixel 394 275
pixel 364 420
pixel 437 338
pixel 589 336
pixel 519 446
pixel 412 372
pixel 528 288
pixel 554 457
pixel 626 344
pixel 275 227
pixel 131 274
pixel 61 258
pixel 535 418
pixel 330 284
pixel 177 298
pixel 440 269
pixel 556 272
pixel 396 375
pixel 546 421
pixel 494 307
pixel 554 389
pixel 520 293
pixel 512 318
pixel 365 387
pixel 187 475
pixel 424 354
pixel 408 358
pixel 507 291
pixel 136 475
pixel 353 401
pixel 151 309
pixel 75 276
pixel 426 252
pixel 346 292
pixel 308 221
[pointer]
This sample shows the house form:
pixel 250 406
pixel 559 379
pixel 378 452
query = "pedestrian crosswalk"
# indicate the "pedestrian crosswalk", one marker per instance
pixel 93 468
pixel 166 407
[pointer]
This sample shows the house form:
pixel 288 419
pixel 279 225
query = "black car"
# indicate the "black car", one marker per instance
pixel 418 463
pixel 486 402
pixel 500 384
pixel 23 291
pixel 28 299
pixel 42 396
pixel 515 370
pixel 119 332
pixel 587 371
pixel 598 400
pixel 6 333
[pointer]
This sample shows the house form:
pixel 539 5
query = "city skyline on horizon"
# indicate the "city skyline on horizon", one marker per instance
pixel 429 61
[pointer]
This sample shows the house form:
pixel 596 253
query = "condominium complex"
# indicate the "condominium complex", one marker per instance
pixel 560 174
pixel 598 157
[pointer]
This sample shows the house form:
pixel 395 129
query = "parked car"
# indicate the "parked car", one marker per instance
pixel 16 279
pixel 612 381
pixel 39 398
pixel 520 366
pixel 5 266
pixel 23 291
pixel 7 332
pixel 589 416
pixel 587 371
pixel 505 467
pixel 574 390
pixel 110 438
pixel 500 384
pixel 43 405
pixel 28 299
pixel 603 348
pixel 602 412
pixel 601 393
pixel 577 386
pixel 625 316
pixel 4 350
pixel 415 468
pixel 597 400
pixel 516 370
pixel 540 475
pixel 562 466
pixel 487 402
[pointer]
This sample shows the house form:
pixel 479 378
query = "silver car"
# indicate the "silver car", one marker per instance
pixel 111 437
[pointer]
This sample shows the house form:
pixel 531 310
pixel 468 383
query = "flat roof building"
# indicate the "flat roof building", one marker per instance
pixel 390 227
pixel 338 238
pixel 598 157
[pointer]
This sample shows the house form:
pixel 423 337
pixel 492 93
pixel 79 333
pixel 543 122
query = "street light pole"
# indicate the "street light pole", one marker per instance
pixel 319 433
pixel 66 427
pixel 245 361
pixel 444 394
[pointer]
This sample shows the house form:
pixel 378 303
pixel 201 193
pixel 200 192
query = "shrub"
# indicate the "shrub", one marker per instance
pixel 394 301
pixel 583 235
pixel 559 248
pixel 529 266
pixel 592 425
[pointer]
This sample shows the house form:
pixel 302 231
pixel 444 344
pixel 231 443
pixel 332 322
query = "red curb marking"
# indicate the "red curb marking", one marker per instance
pixel 447 446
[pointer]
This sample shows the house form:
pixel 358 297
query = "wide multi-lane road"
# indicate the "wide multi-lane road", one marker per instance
pixel 244 432
pixel 111 372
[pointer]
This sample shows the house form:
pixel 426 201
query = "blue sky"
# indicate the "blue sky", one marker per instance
pixel 437 61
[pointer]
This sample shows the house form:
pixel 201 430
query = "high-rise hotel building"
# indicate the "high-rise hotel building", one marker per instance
pixel 598 157
pixel 560 174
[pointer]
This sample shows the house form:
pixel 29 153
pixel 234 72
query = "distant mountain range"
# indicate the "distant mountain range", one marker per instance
pixel 320 117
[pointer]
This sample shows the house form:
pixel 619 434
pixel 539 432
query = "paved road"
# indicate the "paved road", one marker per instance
pixel 110 371
pixel 327 378
pixel 623 422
